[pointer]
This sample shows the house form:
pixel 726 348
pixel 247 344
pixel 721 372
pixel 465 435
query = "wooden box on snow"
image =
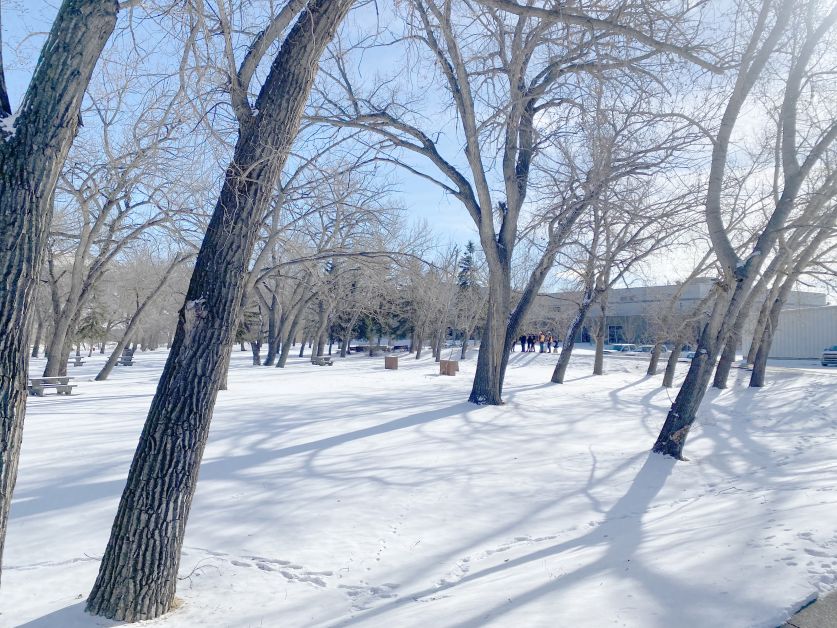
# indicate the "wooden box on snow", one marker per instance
pixel 448 367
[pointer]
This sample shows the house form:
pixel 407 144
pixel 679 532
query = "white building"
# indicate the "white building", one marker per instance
pixel 631 311
pixel 803 332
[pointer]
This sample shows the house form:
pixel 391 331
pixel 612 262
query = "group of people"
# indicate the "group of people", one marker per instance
pixel 548 343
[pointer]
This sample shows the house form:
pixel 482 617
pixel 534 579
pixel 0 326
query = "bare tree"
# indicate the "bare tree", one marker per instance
pixel 138 573
pixel 132 321
pixel 513 81
pixel 34 141
pixel 801 151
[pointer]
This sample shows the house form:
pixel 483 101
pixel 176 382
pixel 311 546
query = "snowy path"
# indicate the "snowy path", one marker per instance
pixel 354 496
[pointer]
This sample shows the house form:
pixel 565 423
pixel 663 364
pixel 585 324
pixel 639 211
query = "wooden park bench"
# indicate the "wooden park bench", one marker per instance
pixel 322 360
pixel 62 385
pixel 76 361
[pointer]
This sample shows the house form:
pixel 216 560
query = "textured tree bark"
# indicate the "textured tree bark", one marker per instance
pixel 654 362
pixel 488 379
pixel 671 365
pixel 138 573
pixel 30 161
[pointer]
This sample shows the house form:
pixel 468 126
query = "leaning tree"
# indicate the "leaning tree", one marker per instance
pixel 34 141
pixel 138 573
pixel 790 50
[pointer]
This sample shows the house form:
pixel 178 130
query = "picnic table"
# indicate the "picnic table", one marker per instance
pixel 76 360
pixel 322 360
pixel 38 385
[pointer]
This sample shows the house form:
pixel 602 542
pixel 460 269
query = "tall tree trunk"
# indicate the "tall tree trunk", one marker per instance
pixel 598 359
pixel 654 362
pixel 726 360
pixel 138 573
pixel 760 363
pixel 288 340
pixel 781 297
pixel 30 162
pixel 488 379
pixel 682 414
pixel 601 329
pixel 272 331
pixel 761 321
pixel 36 343
pixel 58 347
pixel 575 326
pixel 598 353
pixel 225 368
pixel 730 347
pixel 671 365
pixel 319 333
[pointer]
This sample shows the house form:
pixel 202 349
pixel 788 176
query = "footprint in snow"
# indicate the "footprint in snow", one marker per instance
pixel 364 595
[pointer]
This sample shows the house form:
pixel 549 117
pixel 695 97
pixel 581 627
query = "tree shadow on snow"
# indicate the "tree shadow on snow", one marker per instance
pixel 621 534
pixel 223 467
pixel 70 617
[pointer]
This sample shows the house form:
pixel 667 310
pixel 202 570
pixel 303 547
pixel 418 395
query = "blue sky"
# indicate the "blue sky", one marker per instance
pixel 25 25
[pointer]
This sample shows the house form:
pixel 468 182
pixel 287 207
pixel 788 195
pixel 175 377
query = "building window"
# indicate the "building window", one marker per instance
pixel 615 334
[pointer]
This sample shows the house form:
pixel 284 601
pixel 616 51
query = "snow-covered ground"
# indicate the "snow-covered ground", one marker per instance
pixel 354 496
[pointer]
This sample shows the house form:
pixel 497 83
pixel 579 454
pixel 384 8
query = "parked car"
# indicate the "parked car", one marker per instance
pixel 690 355
pixel 650 348
pixel 829 356
pixel 621 348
